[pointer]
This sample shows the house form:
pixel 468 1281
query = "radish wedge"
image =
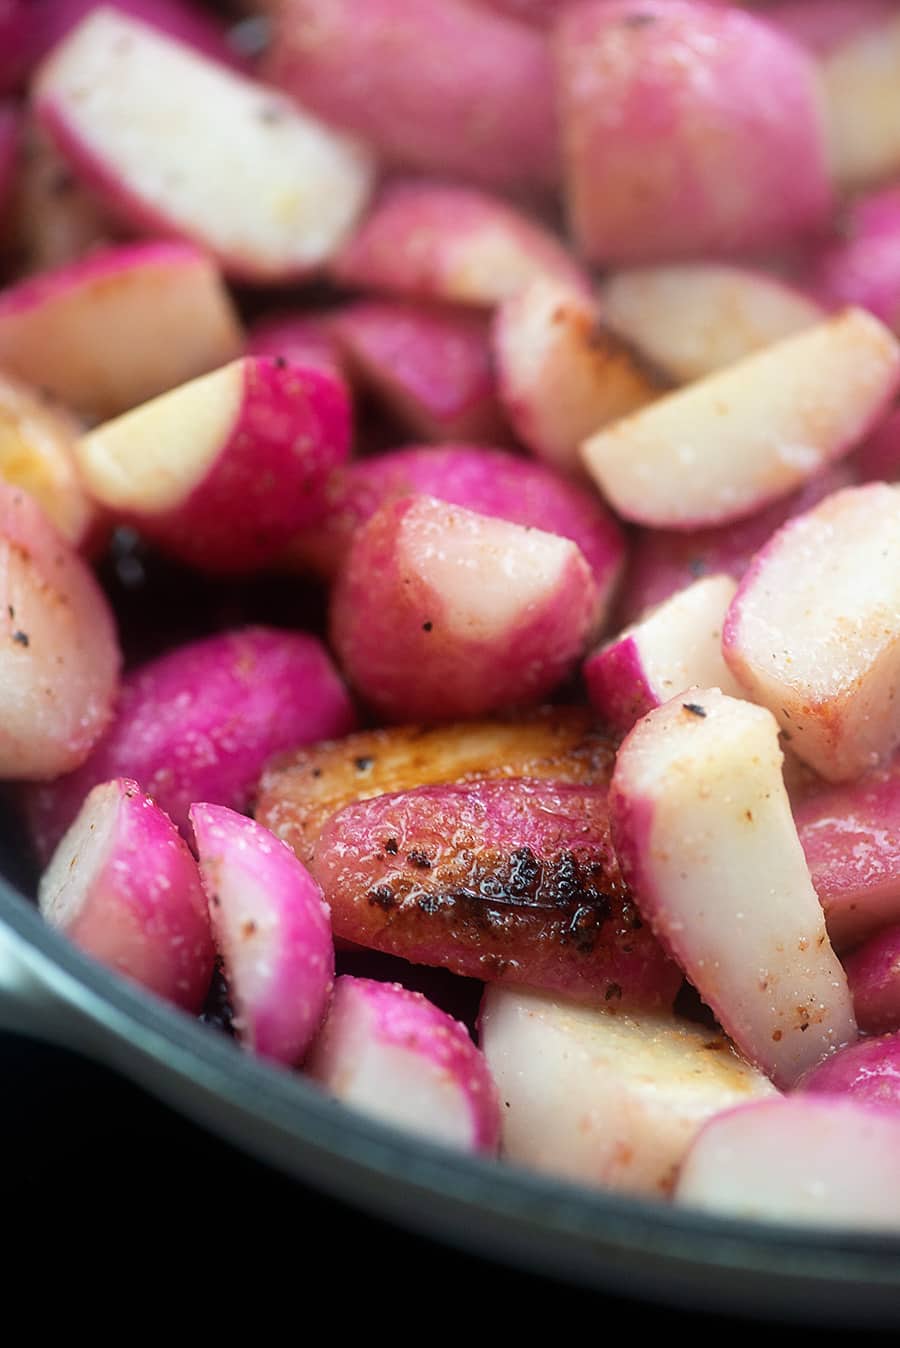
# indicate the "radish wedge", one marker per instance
pixel 392 1054
pixel 272 930
pixel 727 445
pixel 703 830
pixel 124 887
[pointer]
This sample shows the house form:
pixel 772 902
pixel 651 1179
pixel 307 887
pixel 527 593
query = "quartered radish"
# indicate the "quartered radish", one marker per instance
pixel 869 1072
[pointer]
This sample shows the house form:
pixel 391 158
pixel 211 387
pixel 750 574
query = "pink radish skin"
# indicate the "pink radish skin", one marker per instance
pixel 200 723
pixel 869 1072
pixel 16 43
pixel 392 1054
pixel 431 366
pixel 862 97
pixel 509 880
pixel 819 1162
pixel 272 930
pixel 59 655
pixel 703 831
pixel 221 160
pixel 724 447
pixel 62 331
pixel 437 241
pixel 878 458
pixel 178 19
pixel 124 887
pixel 442 86
pixel 56 220
pixel 687 130
pixel 863 266
pixel 441 613
pixel 673 648
pixel 602 1096
pixel 10 135
pixel 222 471
pixel 873 972
pixel 301 339
pixel 822 25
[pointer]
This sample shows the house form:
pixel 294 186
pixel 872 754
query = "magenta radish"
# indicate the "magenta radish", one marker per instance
pixel 182 20
pixel 511 880
pixel 200 723
pixel 727 445
pixel 63 330
pixel 862 98
pixel 822 25
pixel 178 144
pixel 394 1055
pixel 868 1072
pixel 607 1098
pixel 827 1163
pixel 272 930
pixel 878 458
pixel 222 471
pixel 702 827
pixel 441 613
pixel 678 645
pixel 873 972
pixel 123 886
pixel 300 338
pixel 17 45
pixel 862 266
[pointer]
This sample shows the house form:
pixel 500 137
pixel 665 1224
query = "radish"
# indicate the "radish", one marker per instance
pixel 300 338
pixel 823 25
pixel 873 972
pixel 863 102
pixel 869 1072
pixel 180 19
pixel 55 219
pixel 878 458
pixel 862 266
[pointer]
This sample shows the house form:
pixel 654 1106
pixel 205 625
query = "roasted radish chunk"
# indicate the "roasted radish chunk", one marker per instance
pixel 124 887
pixel 603 1096
pixel 511 880
pixel 703 830
pixel 392 1054
pixel 272 930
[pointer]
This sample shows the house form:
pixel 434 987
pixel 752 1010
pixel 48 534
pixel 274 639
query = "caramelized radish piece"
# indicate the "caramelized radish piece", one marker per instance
pixel 511 880
pixel 124 887
pixel 425 240
pixel 675 646
pixel 441 613
pixel 56 219
pixel 179 144
pixel 300 791
pixel 696 318
pixel 222 471
pixel 873 972
pixel 200 723
pixel 272 930
pixel 392 1054
pixel 59 656
pixel 818 645
pixel 826 1163
pixel 560 375
pixel 729 444
pixel 703 831
pixel 862 266
pixel 65 331
pixel 862 97
pixel 606 1097
pixel 868 1071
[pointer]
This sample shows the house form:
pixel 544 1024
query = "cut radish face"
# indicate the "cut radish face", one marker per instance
pixel 392 1054
pixel 703 830
pixel 868 1071
pixel 606 1097
pixel 813 632
pixel 178 143
pixel 723 447
pixel 223 471
pixel 862 96
pixel 124 887
pixel 675 646
pixel 826 1163
pixel 272 930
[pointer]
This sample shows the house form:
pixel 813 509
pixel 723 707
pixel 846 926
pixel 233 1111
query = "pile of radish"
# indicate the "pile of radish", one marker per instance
pixel 542 357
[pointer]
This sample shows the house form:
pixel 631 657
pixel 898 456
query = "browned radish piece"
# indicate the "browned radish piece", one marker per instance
pixel 510 880
pixel 692 319
pixel 200 723
pixel 803 1161
pixel 443 86
pixel 862 95
pixel 606 1097
pixel 425 240
pixel 822 25
pixel 56 219
pixel 868 1071
pixel 431 366
pixel 813 632
pixel 675 646
pixel 272 930
pixel 873 972
pixel 224 470
pixel 687 130
pixel 862 266
pixel 703 830
pixel 59 656
pixel 561 375
pixel 727 445
pixel 394 1055
pixel 63 331
pixel 441 613
pixel 124 887
pixel 299 792
pixel 300 338
pixel 37 452
pixel 178 144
